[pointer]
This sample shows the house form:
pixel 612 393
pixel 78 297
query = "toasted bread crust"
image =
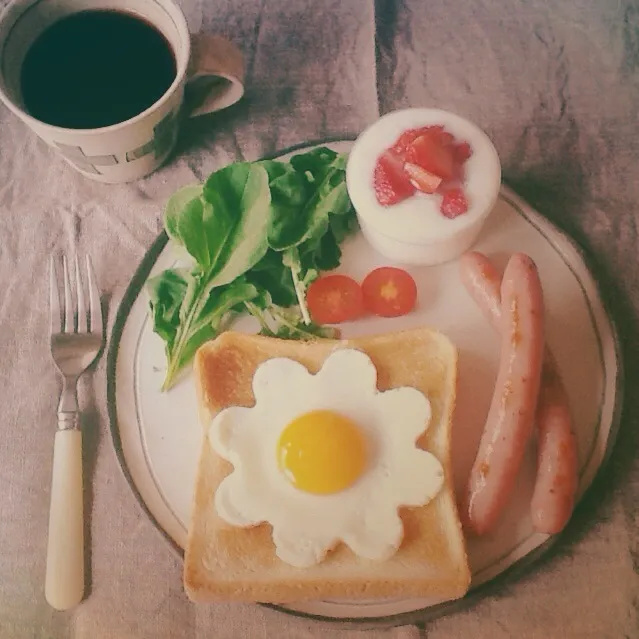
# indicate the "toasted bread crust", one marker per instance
pixel 227 563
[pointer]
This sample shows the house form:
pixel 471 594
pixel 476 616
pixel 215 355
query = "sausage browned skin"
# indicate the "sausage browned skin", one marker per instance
pixel 557 479
pixel 512 410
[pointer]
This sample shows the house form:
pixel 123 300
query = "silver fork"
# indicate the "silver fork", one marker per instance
pixel 77 337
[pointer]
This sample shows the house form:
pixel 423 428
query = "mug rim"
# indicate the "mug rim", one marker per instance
pixel 19 7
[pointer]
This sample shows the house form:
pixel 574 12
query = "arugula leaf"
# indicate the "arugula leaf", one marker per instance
pixel 166 292
pixel 259 233
pixel 319 161
pixel 203 325
pixel 175 206
pixel 320 173
pixel 302 237
pixel 343 225
pixel 207 325
pixel 224 230
pixel 328 254
pixel 270 274
pixel 195 216
pixel 289 194
pixel 245 188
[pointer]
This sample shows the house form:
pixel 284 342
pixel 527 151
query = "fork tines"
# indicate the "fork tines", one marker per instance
pixel 69 313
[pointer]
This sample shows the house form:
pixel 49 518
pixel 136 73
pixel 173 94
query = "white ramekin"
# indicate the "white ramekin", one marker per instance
pixel 414 231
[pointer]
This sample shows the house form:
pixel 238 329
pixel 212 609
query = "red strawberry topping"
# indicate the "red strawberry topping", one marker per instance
pixel 454 203
pixel 410 135
pixel 404 141
pixel 426 159
pixel 462 152
pixel 428 152
pixel 390 182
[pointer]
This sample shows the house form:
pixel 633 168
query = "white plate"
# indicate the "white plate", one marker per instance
pixel 157 436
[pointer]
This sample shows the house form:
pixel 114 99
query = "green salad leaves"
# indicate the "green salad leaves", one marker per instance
pixel 257 234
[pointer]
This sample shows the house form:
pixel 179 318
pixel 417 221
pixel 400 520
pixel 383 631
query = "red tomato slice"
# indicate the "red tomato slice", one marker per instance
pixel 333 299
pixel 389 292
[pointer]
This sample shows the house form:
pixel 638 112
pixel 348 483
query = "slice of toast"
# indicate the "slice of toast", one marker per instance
pixel 223 562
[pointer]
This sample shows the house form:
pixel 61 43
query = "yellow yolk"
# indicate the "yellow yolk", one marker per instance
pixel 322 452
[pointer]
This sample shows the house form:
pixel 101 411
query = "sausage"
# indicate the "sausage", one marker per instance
pixel 482 280
pixel 511 414
pixel 557 475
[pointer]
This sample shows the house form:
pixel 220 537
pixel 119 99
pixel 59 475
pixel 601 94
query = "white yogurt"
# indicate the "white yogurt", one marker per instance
pixel 415 231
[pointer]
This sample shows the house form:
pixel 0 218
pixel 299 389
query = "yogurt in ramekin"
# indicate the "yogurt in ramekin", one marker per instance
pixel 414 231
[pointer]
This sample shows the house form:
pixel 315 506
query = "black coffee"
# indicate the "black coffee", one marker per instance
pixel 96 68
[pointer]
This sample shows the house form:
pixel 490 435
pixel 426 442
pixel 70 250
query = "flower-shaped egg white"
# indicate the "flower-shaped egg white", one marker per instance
pixel 325 458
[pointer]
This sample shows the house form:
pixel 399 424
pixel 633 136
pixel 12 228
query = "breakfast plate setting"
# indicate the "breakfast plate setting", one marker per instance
pixel 362 381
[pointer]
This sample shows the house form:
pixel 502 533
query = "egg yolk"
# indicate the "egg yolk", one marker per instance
pixel 322 452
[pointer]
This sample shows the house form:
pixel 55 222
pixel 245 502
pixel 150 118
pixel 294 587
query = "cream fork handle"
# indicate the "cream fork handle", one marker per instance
pixel 64 583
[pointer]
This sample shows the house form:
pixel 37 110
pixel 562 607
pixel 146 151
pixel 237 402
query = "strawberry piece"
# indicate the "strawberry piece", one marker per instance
pixel 421 179
pixel 454 203
pixel 390 182
pixel 404 141
pixel 410 135
pixel 446 139
pixel 447 185
pixel 435 130
pixel 428 152
pixel 462 151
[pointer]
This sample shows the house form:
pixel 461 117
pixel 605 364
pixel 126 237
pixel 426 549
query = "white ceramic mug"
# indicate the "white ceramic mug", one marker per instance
pixel 210 65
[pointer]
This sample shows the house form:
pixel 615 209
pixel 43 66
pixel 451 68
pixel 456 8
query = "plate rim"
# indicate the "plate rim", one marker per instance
pixel 520 567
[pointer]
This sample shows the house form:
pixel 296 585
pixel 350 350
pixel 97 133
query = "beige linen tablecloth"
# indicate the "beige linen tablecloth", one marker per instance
pixel 554 83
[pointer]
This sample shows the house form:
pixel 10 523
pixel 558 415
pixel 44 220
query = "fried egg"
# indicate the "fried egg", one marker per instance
pixel 325 458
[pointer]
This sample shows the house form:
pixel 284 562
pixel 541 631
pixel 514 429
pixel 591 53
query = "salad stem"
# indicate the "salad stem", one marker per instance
pixel 174 360
pixel 301 297
pixel 256 312
pixel 295 329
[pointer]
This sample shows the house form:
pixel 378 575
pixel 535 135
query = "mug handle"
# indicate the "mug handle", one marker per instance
pixel 215 78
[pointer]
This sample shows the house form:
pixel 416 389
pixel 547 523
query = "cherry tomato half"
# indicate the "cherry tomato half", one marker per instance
pixel 389 292
pixel 333 299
